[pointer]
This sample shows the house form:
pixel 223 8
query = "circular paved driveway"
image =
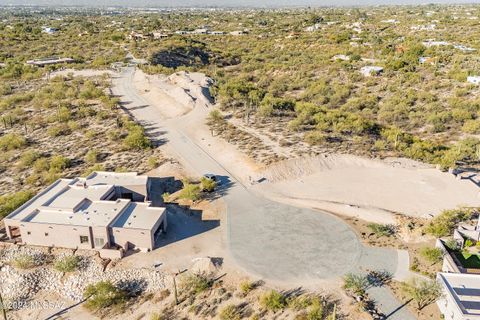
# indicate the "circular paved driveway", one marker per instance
pixel 280 242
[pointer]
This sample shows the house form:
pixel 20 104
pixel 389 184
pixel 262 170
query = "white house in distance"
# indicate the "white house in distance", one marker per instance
pixel 368 71
pixel 461 299
pixel 108 212
pixel 474 79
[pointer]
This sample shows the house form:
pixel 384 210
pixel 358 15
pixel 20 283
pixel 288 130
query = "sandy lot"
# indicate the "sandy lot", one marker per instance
pixel 368 188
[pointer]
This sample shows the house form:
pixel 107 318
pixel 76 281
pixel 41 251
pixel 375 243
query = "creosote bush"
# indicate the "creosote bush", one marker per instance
pixel 67 263
pixel 103 295
pixel 273 301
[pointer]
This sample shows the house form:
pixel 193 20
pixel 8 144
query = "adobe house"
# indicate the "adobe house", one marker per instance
pixel 106 211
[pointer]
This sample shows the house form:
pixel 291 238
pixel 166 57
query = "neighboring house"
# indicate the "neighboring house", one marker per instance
pixel 238 33
pixel 105 211
pixel 201 31
pixel 342 57
pixel 49 30
pixel 136 36
pixel 429 60
pixel 315 27
pixel 159 35
pixel 463 48
pixel 461 298
pixel 371 70
pixel 433 43
pixel 50 60
pixel 474 79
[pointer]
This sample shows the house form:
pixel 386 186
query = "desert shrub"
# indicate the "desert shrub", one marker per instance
pixel 12 141
pixel 355 283
pixel 190 191
pixel 40 165
pixel 91 157
pixel 28 158
pixel 59 130
pixel 152 162
pixel 114 134
pixel 196 282
pixel 10 202
pixel 59 163
pixel 443 224
pixel 246 287
pixel 382 230
pixel 471 126
pixel 315 138
pixel 422 291
pixel 23 261
pixel 230 312
pixel 67 263
pixel 432 255
pixel 207 184
pixel 136 138
pixel 103 295
pixel 215 117
pixel 273 301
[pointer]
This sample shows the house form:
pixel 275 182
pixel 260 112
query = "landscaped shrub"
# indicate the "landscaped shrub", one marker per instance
pixel 443 224
pixel 207 184
pixel 432 255
pixel 422 291
pixel 10 202
pixel 102 295
pixel 273 301
pixel 190 191
pixel 355 283
pixel 468 243
pixel 23 261
pixel 67 263
pixel 382 230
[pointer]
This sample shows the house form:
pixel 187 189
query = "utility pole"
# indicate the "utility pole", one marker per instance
pixel 4 311
pixel 175 288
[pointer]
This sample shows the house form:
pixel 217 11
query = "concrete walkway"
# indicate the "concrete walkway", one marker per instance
pixel 388 304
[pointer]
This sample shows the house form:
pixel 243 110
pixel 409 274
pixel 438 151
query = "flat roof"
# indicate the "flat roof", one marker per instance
pixel 465 290
pixel 138 216
pixel 115 178
pixel 96 213
pixel 83 202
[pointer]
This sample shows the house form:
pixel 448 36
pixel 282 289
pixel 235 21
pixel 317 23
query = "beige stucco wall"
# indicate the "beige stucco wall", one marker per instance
pixel 136 237
pixel 58 235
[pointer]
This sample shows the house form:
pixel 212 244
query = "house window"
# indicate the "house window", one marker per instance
pixel 83 239
pixel 28 232
pixel 99 242
pixel 46 234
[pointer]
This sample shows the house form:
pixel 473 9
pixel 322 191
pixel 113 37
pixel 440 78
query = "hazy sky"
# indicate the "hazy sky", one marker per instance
pixel 227 3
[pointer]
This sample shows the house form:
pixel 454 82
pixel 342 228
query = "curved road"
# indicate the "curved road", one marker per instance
pixel 266 238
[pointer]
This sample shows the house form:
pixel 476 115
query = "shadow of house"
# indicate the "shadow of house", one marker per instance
pixel 184 223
